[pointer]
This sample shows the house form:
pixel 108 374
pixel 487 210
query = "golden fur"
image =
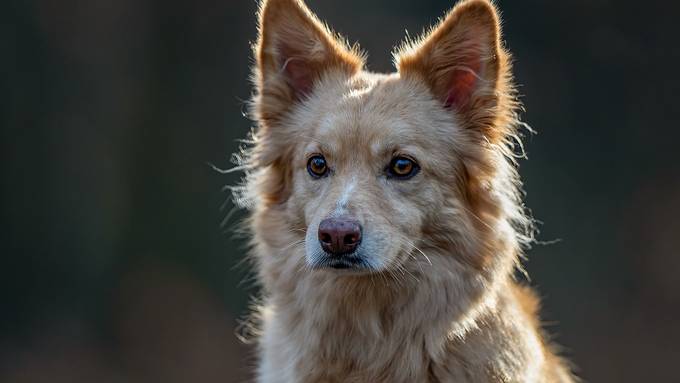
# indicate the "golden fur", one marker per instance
pixel 440 304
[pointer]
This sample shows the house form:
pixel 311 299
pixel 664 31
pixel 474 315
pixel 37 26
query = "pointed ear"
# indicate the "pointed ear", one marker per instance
pixel 463 63
pixel 293 51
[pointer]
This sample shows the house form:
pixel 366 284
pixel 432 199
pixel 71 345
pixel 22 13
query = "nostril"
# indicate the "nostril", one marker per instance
pixel 325 238
pixel 351 239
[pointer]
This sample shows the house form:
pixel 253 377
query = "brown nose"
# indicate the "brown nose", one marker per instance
pixel 339 236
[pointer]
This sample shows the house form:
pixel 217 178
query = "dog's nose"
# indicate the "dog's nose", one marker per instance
pixel 339 235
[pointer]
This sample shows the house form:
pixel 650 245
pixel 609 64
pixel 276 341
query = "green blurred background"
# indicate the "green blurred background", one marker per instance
pixel 115 266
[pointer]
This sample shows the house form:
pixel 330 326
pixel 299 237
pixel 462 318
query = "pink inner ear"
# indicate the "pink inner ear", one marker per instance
pixel 461 87
pixel 299 76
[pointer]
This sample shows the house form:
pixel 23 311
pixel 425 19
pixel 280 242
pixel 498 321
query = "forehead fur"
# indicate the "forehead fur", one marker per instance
pixel 374 112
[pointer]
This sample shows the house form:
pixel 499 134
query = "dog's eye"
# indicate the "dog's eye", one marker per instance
pixel 317 167
pixel 402 168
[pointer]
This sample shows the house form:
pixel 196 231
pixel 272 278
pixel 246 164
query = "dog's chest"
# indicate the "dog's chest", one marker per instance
pixel 349 352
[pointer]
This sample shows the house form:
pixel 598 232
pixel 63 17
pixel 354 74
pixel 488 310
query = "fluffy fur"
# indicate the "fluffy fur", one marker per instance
pixel 436 301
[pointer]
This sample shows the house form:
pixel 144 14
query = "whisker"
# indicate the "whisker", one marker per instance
pixel 405 241
pixel 478 218
pixel 295 243
pixel 423 253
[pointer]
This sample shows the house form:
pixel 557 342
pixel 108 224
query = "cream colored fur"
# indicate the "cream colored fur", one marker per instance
pixel 439 303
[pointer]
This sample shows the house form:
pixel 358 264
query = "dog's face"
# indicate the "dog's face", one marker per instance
pixel 370 165
pixel 370 168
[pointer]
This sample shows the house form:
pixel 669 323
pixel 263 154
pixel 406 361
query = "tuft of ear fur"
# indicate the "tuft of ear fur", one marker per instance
pixel 464 64
pixel 293 51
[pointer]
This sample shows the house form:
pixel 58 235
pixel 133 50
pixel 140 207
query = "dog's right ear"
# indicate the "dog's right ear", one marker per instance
pixel 293 51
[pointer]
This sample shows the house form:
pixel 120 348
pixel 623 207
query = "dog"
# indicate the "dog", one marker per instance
pixel 385 210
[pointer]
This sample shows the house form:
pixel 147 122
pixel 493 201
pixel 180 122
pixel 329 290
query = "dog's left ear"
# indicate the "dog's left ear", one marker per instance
pixel 464 64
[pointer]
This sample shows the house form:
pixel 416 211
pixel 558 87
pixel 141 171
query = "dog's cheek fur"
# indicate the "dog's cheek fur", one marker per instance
pixel 308 200
pixel 396 217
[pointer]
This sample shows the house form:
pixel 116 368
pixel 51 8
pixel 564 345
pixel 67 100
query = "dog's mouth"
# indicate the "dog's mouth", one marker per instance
pixel 348 262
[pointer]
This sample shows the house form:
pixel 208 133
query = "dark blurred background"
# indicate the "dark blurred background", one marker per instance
pixel 115 266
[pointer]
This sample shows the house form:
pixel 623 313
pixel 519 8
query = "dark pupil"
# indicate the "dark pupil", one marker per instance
pixel 402 166
pixel 318 164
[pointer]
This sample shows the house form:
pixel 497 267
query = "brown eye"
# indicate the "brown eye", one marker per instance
pixel 402 168
pixel 317 167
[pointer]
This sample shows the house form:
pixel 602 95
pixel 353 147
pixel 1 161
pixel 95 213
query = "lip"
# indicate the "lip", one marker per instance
pixel 343 263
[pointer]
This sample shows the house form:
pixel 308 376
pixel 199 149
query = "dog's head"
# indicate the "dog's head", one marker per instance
pixel 369 170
